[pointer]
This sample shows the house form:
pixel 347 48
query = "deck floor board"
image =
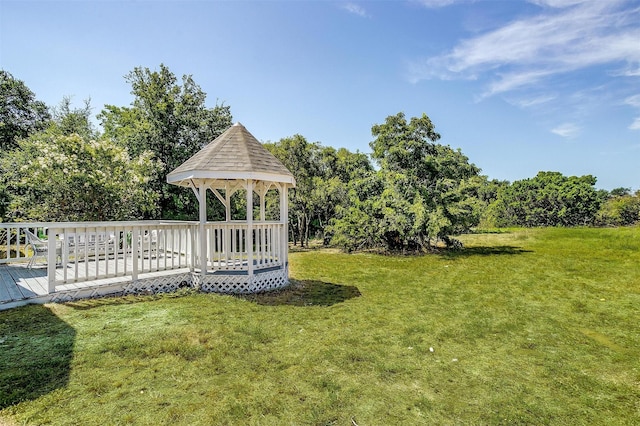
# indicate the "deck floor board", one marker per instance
pixel 18 282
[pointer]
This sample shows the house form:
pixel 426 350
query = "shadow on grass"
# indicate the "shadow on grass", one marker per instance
pixel 117 299
pixel 484 251
pixel 36 348
pixel 306 293
pixel 489 231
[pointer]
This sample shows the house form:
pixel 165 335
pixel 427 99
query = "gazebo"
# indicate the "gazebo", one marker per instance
pixel 238 256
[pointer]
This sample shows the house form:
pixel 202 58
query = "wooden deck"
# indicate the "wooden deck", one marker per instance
pixel 20 285
pixel 17 282
pixel 95 259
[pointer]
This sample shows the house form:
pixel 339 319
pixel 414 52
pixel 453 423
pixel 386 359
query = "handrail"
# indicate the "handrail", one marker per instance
pixel 89 251
pixel 228 245
pixel 89 224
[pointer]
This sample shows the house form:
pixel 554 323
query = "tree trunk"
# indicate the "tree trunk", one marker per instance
pixel 293 232
pixel 307 222
pixel 301 229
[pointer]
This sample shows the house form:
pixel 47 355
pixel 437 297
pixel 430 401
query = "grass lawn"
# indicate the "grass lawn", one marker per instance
pixel 521 327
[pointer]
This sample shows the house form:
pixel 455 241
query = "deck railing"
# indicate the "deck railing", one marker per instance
pixel 88 251
pixel 14 242
pixel 228 245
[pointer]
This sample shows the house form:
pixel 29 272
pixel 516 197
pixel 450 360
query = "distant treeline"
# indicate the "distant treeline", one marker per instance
pixel 410 193
pixel 420 193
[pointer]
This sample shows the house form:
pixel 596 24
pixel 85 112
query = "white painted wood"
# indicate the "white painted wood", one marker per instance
pixel 218 195
pixel 52 258
pixel 195 175
pixel 284 219
pixel 203 221
pixel 81 247
pixel 249 239
pixel 227 201
pixel 96 253
pixel 135 237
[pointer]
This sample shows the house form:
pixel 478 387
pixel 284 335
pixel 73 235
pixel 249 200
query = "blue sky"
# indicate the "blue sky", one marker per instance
pixel 519 86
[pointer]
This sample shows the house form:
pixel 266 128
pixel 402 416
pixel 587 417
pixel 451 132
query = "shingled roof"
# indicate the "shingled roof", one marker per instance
pixel 235 154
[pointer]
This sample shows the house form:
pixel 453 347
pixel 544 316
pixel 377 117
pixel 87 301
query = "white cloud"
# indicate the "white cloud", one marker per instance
pixel 634 100
pixel 437 3
pixel 631 72
pixel 567 130
pixel 532 101
pixel 556 3
pixel 355 9
pixel 566 36
pixel 514 80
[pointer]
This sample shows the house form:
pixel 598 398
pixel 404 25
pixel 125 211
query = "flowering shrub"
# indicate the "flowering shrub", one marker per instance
pixel 53 177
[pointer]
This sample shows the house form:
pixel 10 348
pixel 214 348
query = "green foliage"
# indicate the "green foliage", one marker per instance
pixel 170 120
pixel 322 175
pixel 68 121
pixel 354 229
pixel 422 193
pixel 488 195
pixel 20 113
pixel 56 177
pixel 619 192
pixel 621 209
pixel 549 199
pixel 402 147
pixel 327 194
pixel 299 156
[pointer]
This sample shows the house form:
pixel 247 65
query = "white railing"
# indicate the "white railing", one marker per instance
pixel 93 251
pixel 228 245
pixel 14 245
pixel 268 250
pixel 77 252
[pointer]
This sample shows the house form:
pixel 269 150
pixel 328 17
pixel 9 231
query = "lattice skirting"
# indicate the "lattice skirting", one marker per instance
pixel 165 284
pixel 230 284
pixel 242 284
pixel 71 295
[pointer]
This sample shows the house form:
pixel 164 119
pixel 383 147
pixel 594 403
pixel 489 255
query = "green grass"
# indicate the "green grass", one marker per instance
pixel 527 327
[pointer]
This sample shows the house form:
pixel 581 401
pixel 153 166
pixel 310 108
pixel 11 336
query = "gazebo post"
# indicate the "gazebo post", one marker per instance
pixel 227 203
pixel 227 213
pixel 263 194
pixel 284 218
pixel 203 221
pixel 249 238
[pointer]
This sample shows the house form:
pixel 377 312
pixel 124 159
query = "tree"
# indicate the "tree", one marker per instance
pixel 170 120
pixel 620 209
pixel 300 157
pixel 422 193
pixel 322 175
pixel 20 113
pixel 619 192
pixel 489 195
pixel 356 224
pixel 550 199
pixel 55 177
pixel 326 195
pixel 68 121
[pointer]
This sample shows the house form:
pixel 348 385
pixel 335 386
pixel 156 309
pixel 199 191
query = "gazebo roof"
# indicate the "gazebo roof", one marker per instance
pixel 234 155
